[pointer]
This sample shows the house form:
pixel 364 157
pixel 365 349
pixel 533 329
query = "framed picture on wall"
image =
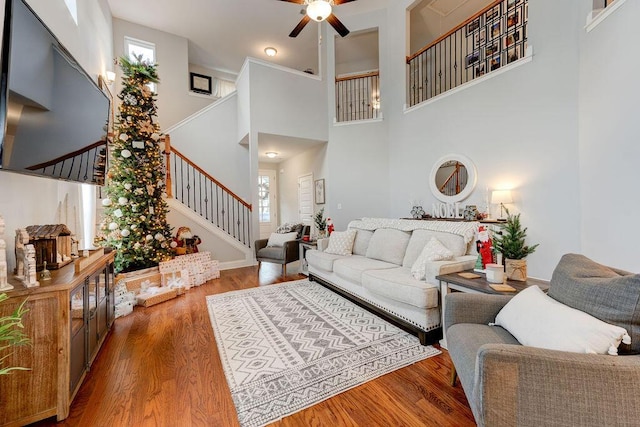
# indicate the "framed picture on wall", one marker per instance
pixel 492 14
pixel 319 191
pixel 473 26
pixel 200 83
pixel 472 58
pixel 480 38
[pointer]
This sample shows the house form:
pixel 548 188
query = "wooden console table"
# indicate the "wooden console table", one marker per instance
pixel 456 283
pixel 68 319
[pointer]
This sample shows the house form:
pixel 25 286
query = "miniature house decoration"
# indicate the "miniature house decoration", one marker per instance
pixel 52 244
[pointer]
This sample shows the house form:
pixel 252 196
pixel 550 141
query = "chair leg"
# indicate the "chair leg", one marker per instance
pixel 454 376
pixel 284 270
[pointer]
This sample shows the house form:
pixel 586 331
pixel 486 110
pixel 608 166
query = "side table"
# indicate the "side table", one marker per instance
pixel 304 247
pixel 454 282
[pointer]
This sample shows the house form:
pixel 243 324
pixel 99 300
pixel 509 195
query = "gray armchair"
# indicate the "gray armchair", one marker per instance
pixel 508 384
pixel 289 252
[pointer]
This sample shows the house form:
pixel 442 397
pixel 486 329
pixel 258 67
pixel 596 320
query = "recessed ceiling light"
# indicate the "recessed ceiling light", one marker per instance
pixel 271 154
pixel 270 51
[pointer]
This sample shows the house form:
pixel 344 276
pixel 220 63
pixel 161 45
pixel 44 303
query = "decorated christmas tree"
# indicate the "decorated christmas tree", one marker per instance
pixel 135 222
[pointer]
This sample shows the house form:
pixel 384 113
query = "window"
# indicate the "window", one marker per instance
pixel 264 205
pixel 134 48
pixel 73 9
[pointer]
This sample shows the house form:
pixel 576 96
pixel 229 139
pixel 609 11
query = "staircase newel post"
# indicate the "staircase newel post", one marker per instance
pixel 167 155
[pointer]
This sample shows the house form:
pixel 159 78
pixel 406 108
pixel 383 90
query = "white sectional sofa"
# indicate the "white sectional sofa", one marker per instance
pixel 378 273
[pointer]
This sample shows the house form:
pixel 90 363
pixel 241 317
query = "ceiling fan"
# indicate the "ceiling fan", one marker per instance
pixel 319 10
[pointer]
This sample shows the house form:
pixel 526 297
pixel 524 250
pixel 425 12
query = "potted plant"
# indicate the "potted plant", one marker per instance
pixel 511 243
pixel 11 333
pixel 321 223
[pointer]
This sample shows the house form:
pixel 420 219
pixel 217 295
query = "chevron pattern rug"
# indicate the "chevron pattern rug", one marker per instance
pixel 288 346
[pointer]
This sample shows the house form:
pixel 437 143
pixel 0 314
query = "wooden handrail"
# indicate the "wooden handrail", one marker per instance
pixel 67 156
pixel 358 76
pixel 456 174
pixel 444 36
pixel 167 157
pixel 218 183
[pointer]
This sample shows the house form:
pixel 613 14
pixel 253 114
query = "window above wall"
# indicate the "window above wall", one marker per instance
pixel 73 9
pixel 134 48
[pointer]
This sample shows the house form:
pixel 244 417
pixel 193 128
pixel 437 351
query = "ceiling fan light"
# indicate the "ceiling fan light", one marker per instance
pixel 319 10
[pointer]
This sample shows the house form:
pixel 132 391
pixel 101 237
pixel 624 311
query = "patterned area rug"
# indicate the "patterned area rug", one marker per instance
pixel 289 346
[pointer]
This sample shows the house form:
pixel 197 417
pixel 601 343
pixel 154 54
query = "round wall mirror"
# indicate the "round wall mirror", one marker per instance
pixel 453 178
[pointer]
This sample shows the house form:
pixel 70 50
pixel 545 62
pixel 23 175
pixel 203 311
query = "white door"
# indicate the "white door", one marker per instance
pixel 305 199
pixel 267 202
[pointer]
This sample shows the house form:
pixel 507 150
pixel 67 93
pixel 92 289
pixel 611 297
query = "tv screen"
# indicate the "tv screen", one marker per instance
pixel 54 116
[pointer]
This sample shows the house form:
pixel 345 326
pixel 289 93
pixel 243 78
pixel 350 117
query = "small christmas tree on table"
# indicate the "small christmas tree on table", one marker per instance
pixel 135 223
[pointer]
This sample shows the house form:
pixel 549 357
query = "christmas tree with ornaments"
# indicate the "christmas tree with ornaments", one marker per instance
pixel 135 222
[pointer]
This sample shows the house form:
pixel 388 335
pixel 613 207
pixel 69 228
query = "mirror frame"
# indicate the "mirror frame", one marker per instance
pixel 472 176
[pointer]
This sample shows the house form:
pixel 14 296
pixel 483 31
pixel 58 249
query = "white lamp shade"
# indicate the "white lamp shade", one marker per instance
pixel 501 196
pixel 318 10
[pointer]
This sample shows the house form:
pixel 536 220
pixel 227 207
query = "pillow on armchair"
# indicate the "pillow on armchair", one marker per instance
pixel 606 293
pixel 279 239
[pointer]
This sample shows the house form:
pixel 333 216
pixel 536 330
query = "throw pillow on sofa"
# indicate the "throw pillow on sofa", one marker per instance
pixel 279 239
pixel 434 250
pixel 341 242
pixel 388 244
pixel 537 320
pixel 609 294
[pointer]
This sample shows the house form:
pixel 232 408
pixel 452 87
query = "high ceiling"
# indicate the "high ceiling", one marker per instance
pixel 222 33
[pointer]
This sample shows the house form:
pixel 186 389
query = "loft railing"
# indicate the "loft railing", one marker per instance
pixel 358 97
pixel 493 37
pixel 196 189
pixel 87 164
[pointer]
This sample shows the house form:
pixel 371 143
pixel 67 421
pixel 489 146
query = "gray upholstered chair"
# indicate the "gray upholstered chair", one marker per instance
pixel 508 384
pixel 288 252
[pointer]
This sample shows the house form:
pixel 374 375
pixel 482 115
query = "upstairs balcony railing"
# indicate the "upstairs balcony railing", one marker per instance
pixel 196 189
pixel 358 97
pixel 490 39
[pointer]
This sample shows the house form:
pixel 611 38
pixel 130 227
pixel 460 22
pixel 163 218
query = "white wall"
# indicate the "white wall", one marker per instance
pixel 26 200
pixel 172 56
pixel 609 150
pixel 312 162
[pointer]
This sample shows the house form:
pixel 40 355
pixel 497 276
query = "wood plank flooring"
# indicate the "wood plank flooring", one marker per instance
pixel 160 367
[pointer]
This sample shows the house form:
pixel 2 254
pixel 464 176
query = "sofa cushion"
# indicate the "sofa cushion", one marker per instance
pixel 537 320
pixel 341 242
pixel 351 268
pixel 321 260
pixel 419 239
pixel 361 243
pixel 433 251
pixel 279 239
pixel 399 285
pixel 608 294
pixel 389 245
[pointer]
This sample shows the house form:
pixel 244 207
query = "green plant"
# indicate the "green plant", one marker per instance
pixel 11 333
pixel 511 242
pixel 320 221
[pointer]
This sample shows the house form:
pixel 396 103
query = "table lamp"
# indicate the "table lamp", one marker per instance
pixel 501 197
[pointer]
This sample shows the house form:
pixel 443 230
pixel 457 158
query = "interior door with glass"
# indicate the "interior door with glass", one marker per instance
pixel 267 202
pixel 305 199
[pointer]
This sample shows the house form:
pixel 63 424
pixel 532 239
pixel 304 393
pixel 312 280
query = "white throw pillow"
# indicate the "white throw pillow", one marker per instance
pixel 341 242
pixel 434 250
pixel 537 320
pixel 279 239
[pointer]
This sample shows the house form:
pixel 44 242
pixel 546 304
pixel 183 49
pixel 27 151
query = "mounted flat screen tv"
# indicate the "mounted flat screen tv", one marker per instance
pixel 53 116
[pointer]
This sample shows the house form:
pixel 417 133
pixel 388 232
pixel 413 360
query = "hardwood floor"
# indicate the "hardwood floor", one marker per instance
pixel 160 367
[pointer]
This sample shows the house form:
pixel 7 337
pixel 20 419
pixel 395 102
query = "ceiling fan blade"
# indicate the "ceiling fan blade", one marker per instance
pixel 337 2
pixel 337 25
pixel 303 22
pixel 299 1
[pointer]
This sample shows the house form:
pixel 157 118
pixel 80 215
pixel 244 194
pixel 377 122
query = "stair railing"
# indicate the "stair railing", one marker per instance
pixel 488 40
pixel 205 195
pixel 358 97
pixel 87 164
